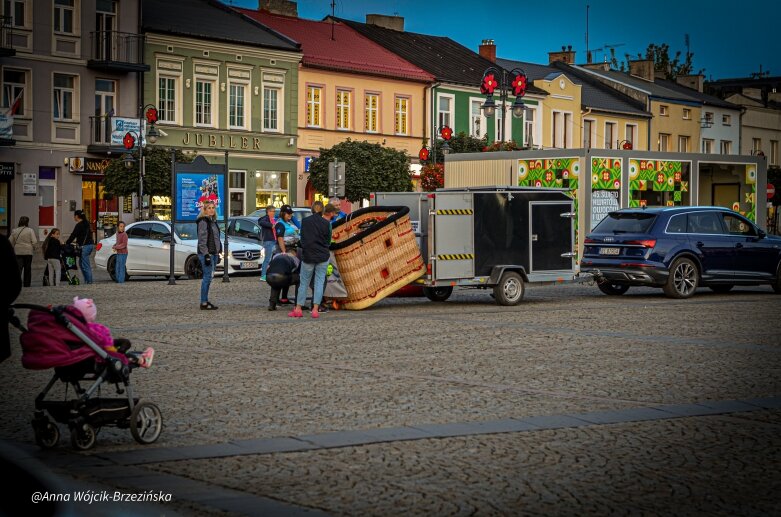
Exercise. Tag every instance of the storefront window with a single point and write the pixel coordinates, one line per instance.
(161, 208)
(271, 188)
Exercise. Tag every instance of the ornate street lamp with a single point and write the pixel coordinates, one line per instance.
(513, 82)
(447, 134)
(626, 145)
(132, 139)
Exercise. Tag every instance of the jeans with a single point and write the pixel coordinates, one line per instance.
(84, 263)
(53, 268)
(307, 270)
(119, 267)
(25, 263)
(208, 273)
(268, 250)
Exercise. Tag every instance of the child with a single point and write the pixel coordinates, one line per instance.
(52, 249)
(88, 309)
(282, 272)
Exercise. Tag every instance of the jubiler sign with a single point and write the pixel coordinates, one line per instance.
(221, 141)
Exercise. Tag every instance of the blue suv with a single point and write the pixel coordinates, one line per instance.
(680, 249)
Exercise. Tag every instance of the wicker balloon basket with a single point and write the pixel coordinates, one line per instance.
(376, 253)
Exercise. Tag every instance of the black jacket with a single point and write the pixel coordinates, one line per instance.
(82, 234)
(315, 240)
(53, 249)
(12, 286)
(209, 242)
(266, 229)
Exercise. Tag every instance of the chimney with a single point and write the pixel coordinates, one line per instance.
(488, 50)
(605, 67)
(566, 55)
(695, 82)
(642, 68)
(283, 7)
(395, 23)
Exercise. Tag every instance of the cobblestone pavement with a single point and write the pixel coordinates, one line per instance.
(244, 373)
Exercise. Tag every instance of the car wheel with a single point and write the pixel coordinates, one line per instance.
(438, 294)
(193, 267)
(721, 288)
(613, 289)
(111, 266)
(510, 289)
(683, 280)
(777, 283)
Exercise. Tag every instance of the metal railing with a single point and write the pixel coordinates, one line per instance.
(117, 47)
(100, 130)
(6, 33)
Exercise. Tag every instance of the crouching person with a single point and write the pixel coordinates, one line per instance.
(282, 273)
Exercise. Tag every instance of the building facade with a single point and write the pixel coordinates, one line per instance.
(223, 82)
(77, 63)
(349, 88)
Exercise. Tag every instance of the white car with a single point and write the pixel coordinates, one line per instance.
(149, 251)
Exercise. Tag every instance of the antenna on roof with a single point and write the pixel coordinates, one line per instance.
(333, 14)
(588, 51)
(686, 42)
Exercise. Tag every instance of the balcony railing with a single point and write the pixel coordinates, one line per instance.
(117, 51)
(6, 37)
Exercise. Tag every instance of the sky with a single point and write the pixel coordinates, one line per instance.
(728, 38)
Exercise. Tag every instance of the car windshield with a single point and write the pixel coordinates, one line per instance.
(186, 231)
(626, 222)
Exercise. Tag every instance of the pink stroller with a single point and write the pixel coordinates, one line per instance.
(59, 338)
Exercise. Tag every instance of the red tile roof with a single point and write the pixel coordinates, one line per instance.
(348, 51)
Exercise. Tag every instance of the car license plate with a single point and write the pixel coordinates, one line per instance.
(609, 251)
(249, 265)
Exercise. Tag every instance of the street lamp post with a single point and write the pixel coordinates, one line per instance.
(129, 141)
(512, 82)
(626, 145)
(446, 133)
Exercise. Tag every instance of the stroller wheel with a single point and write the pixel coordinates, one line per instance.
(146, 422)
(47, 434)
(83, 436)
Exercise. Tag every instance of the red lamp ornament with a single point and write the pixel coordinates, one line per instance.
(129, 141)
(423, 154)
(488, 85)
(627, 146)
(151, 115)
(519, 85)
(446, 133)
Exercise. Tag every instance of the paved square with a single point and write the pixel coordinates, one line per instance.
(573, 402)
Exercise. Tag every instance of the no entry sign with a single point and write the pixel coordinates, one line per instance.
(771, 191)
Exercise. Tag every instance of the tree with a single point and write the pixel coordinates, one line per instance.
(663, 64)
(368, 168)
(462, 143)
(121, 181)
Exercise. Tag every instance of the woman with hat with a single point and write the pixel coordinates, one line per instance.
(287, 233)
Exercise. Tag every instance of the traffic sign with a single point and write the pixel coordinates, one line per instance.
(336, 173)
(771, 190)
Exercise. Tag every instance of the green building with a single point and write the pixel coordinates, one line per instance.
(223, 82)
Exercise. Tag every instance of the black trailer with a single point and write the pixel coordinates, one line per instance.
(491, 237)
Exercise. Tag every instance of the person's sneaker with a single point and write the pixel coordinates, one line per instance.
(146, 357)
(284, 301)
(296, 313)
(263, 278)
(323, 308)
(315, 313)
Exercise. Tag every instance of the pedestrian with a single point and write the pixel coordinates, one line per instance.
(268, 238)
(209, 248)
(23, 239)
(52, 253)
(317, 208)
(82, 235)
(285, 230)
(12, 286)
(315, 242)
(283, 272)
(120, 248)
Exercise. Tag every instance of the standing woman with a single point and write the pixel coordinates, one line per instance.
(286, 231)
(82, 234)
(52, 250)
(209, 248)
(23, 239)
(120, 247)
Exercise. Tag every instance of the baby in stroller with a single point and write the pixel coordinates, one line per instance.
(88, 309)
(68, 340)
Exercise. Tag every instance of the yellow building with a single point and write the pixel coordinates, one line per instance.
(349, 87)
(579, 111)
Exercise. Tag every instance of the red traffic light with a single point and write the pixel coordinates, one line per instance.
(129, 141)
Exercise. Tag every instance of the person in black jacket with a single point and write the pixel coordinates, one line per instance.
(281, 274)
(12, 286)
(209, 249)
(268, 238)
(315, 242)
(52, 251)
(82, 234)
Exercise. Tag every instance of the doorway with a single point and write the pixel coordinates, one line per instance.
(105, 92)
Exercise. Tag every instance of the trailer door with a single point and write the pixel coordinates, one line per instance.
(453, 234)
(551, 236)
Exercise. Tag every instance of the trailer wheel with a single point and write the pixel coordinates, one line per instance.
(438, 294)
(613, 289)
(509, 290)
